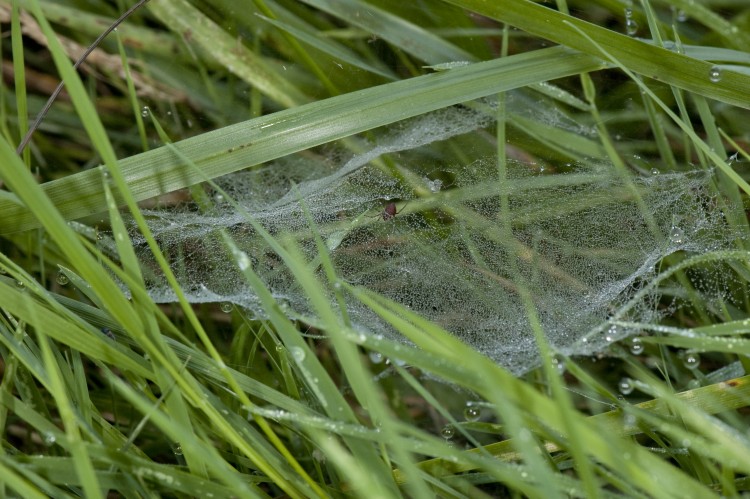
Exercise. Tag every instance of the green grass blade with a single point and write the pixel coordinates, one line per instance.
(273, 136)
(638, 56)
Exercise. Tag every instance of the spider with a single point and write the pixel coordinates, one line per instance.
(390, 211)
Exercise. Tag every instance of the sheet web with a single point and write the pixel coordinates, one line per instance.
(585, 241)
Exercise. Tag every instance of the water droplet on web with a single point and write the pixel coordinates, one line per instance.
(472, 412)
(654, 171)
(62, 279)
(219, 198)
(714, 74)
(226, 307)
(145, 111)
(448, 432)
(559, 364)
(434, 185)
(681, 16)
(676, 235)
(612, 333)
(297, 353)
(636, 346)
(625, 386)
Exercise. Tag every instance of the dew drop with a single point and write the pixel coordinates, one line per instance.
(714, 74)
(691, 360)
(676, 235)
(559, 364)
(448, 432)
(49, 439)
(681, 16)
(243, 261)
(612, 333)
(297, 353)
(145, 111)
(434, 185)
(279, 347)
(219, 198)
(636, 346)
(226, 307)
(20, 284)
(629, 420)
(376, 357)
(62, 279)
(625, 386)
(472, 412)
(177, 449)
(631, 27)
(654, 171)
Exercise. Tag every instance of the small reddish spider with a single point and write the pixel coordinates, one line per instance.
(390, 211)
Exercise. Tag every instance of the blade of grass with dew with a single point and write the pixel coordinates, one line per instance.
(641, 57)
(318, 379)
(407, 36)
(175, 402)
(81, 460)
(65, 332)
(190, 388)
(359, 378)
(195, 443)
(330, 48)
(712, 437)
(90, 25)
(696, 140)
(15, 479)
(19, 75)
(642, 468)
(309, 366)
(273, 136)
(182, 17)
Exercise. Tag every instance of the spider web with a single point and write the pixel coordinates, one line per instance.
(584, 242)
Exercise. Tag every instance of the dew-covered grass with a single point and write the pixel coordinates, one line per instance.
(376, 249)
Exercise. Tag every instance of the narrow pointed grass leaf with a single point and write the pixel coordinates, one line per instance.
(640, 57)
(273, 136)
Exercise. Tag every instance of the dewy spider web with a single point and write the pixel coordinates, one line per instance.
(585, 242)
